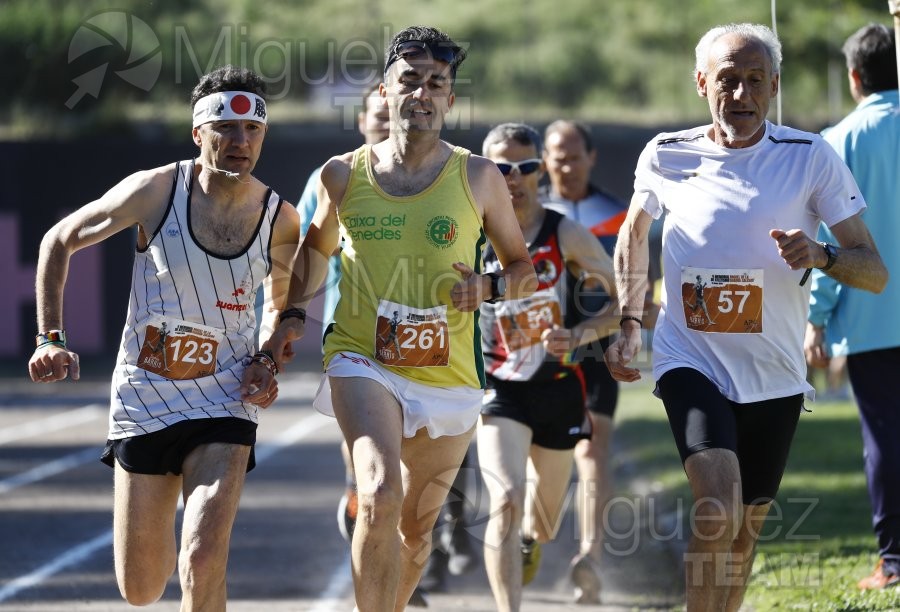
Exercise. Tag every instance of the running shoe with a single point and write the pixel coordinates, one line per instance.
(417, 599)
(434, 576)
(461, 555)
(879, 579)
(586, 580)
(346, 513)
(531, 559)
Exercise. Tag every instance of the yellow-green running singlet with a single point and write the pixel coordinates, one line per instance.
(396, 276)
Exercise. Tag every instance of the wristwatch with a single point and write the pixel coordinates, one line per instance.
(498, 287)
(831, 253)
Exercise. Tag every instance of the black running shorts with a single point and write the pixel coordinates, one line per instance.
(164, 451)
(554, 410)
(759, 433)
(602, 390)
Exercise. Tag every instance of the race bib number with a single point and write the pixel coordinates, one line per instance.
(179, 350)
(522, 322)
(722, 301)
(412, 337)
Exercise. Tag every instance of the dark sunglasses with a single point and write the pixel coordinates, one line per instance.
(411, 49)
(526, 166)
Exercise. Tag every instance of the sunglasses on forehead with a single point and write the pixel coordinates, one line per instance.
(411, 49)
(526, 166)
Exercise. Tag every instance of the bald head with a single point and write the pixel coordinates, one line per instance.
(569, 156)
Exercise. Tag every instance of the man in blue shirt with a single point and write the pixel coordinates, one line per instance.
(860, 324)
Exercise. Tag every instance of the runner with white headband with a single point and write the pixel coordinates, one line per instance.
(228, 106)
(189, 381)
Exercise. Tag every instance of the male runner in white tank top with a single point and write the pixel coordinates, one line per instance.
(187, 384)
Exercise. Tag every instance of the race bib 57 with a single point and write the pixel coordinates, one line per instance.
(727, 301)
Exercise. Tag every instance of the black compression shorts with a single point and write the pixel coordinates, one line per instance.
(759, 433)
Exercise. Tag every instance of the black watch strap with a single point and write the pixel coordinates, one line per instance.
(292, 313)
(831, 253)
(497, 292)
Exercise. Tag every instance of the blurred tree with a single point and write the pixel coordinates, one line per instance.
(529, 59)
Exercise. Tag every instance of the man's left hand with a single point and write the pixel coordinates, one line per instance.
(798, 250)
(467, 294)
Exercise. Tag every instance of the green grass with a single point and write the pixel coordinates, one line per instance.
(818, 541)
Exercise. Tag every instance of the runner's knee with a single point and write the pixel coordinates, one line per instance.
(507, 511)
(379, 507)
(716, 521)
(145, 587)
(200, 567)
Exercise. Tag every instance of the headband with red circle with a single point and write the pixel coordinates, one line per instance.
(229, 105)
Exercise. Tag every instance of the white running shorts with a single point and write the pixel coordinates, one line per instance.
(443, 411)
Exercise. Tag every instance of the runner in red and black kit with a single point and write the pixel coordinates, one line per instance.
(534, 413)
(569, 155)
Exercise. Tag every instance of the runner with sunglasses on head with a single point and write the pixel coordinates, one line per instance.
(414, 212)
(534, 413)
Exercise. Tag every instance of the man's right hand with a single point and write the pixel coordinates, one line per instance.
(622, 351)
(53, 362)
(280, 341)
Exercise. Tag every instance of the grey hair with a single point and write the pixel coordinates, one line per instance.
(751, 31)
(517, 132)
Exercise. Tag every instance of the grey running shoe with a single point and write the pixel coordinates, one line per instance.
(586, 580)
(434, 576)
(460, 550)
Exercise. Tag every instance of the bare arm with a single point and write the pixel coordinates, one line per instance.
(258, 384)
(311, 263)
(858, 263)
(585, 257)
(632, 258)
(141, 200)
(502, 228)
(285, 239)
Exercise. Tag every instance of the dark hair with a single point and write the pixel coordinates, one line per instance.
(518, 132)
(367, 92)
(229, 78)
(870, 51)
(431, 36)
(561, 125)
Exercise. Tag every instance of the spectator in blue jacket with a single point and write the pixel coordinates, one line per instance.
(862, 325)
